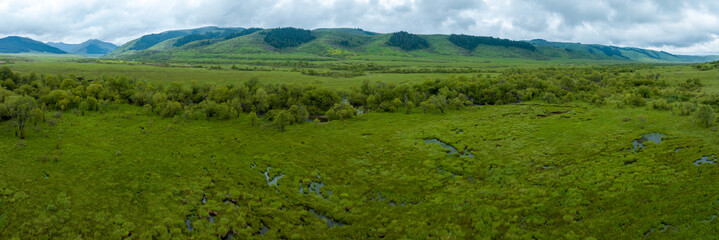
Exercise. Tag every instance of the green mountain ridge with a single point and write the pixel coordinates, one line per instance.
(15, 44)
(337, 43)
(92, 47)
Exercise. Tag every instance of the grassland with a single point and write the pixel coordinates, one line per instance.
(267, 72)
(537, 170)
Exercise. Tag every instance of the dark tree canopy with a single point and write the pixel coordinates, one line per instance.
(288, 37)
(148, 41)
(223, 34)
(471, 42)
(195, 37)
(407, 41)
(242, 33)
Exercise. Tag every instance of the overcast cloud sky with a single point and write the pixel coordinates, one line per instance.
(681, 27)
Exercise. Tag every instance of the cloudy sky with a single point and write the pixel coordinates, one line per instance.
(676, 26)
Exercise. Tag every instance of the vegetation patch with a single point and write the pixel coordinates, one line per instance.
(288, 37)
(470, 42)
(407, 41)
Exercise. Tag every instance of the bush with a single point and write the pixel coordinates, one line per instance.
(341, 111)
(705, 116)
(661, 104)
(634, 100)
(683, 109)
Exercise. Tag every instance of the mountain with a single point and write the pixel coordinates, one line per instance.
(92, 47)
(62, 46)
(14, 44)
(627, 53)
(226, 44)
(154, 40)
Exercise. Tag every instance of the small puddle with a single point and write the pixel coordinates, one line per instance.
(212, 219)
(316, 189)
(330, 222)
(664, 228)
(228, 236)
(264, 230)
(652, 137)
(228, 201)
(274, 179)
(204, 199)
(452, 150)
(706, 160)
(440, 170)
(381, 198)
(188, 222)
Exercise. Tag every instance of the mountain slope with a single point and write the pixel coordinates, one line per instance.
(627, 53)
(14, 44)
(67, 47)
(92, 47)
(148, 41)
(207, 43)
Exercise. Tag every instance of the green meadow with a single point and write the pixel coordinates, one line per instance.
(415, 148)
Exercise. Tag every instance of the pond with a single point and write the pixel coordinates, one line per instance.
(656, 138)
(452, 150)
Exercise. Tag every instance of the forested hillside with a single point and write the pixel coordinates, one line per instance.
(235, 43)
(471, 42)
(288, 37)
(407, 41)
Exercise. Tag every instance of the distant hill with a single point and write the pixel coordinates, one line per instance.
(627, 53)
(154, 40)
(91, 47)
(14, 44)
(213, 43)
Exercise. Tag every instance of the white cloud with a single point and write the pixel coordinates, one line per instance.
(679, 26)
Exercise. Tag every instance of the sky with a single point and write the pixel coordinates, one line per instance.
(675, 26)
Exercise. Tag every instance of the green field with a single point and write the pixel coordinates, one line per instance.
(467, 148)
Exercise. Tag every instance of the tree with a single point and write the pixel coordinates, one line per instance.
(20, 109)
(705, 115)
(282, 119)
(438, 101)
(642, 119)
(254, 120)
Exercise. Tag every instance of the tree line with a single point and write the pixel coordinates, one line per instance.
(471, 42)
(29, 97)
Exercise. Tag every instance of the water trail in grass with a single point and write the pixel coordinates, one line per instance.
(330, 222)
(706, 160)
(452, 150)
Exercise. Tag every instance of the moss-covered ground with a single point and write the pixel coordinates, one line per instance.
(548, 172)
